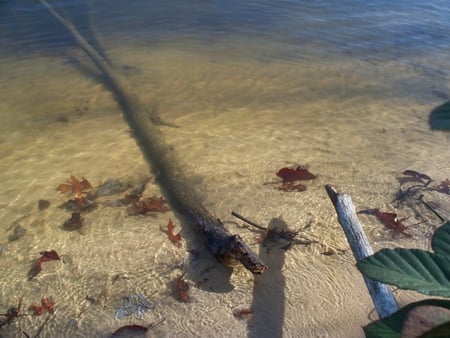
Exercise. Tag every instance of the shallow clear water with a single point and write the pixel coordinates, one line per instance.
(344, 89)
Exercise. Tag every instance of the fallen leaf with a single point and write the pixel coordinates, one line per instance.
(172, 237)
(182, 289)
(47, 306)
(389, 220)
(82, 202)
(38, 310)
(148, 204)
(75, 185)
(45, 257)
(297, 174)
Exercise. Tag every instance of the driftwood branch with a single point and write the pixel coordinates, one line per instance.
(381, 294)
(222, 244)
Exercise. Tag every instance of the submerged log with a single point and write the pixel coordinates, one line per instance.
(221, 243)
(381, 294)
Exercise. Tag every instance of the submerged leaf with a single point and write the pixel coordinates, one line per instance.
(298, 174)
(182, 288)
(149, 204)
(174, 238)
(46, 256)
(75, 185)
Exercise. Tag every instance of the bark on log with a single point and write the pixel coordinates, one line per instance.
(380, 293)
(222, 244)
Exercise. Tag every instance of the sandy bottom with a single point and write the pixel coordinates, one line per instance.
(357, 125)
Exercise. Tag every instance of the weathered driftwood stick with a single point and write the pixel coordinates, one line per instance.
(381, 294)
(222, 244)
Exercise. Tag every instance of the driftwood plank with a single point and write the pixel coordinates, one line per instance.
(381, 294)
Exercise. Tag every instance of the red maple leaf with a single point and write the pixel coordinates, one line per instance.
(297, 174)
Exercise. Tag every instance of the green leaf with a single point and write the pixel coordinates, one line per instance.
(391, 326)
(440, 117)
(412, 269)
(441, 240)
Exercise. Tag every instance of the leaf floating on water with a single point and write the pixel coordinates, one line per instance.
(172, 237)
(46, 256)
(137, 304)
(297, 174)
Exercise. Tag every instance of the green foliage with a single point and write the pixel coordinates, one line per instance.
(412, 269)
(419, 270)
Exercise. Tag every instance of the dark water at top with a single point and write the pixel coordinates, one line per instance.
(365, 29)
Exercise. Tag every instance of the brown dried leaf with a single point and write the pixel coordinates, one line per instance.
(182, 288)
(174, 238)
(75, 185)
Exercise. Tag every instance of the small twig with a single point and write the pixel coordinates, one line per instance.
(42, 326)
(158, 322)
(242, 218)
(290, 236)
(430, 208)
